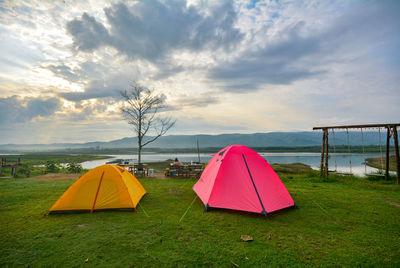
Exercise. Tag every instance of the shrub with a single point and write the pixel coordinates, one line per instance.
(52, 167)
(26, 170)
(74, 168)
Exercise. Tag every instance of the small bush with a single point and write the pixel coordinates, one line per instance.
(52, 167)
(74, 168)
(26, 170)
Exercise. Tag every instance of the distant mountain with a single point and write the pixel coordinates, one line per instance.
(270, 139)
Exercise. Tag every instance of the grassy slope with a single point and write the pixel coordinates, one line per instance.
(376, 163)
(344, 222)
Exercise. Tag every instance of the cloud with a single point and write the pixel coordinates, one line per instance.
(277, 63)
(300, 63)
(87, 33)
(151, 29)
(89, 111)
(63, 71)
(17, 110)
(107, 87)
(198, 124)
(192, 101)
(303, 49)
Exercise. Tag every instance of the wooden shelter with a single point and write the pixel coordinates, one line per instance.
(391, 132)
(13, 164)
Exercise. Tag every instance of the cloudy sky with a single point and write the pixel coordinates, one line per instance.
(224, 66)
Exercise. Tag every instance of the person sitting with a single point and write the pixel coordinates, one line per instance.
(177, 163)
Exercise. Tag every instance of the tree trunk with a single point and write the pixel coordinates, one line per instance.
(139, 151)
(140, 140)
(139, 156)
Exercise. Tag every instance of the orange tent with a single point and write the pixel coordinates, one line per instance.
(104, 187)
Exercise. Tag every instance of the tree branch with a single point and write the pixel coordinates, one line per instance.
(141, 110)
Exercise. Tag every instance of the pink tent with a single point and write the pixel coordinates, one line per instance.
(239, 178)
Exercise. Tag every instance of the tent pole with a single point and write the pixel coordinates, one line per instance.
(98, 189)
(255, 188)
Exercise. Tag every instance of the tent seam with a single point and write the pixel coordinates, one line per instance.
(126, 187)
(254, 184)
(219, 170)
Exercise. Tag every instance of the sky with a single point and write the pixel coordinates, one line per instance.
(223, 66)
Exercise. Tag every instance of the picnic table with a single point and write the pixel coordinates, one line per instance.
(186, 170)
(140, 170)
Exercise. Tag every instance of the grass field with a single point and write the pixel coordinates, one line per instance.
(345, 221)
(377, 163)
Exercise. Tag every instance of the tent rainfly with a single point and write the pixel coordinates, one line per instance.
(238, 178)
(102, 188)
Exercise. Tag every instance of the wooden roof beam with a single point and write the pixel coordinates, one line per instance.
(360, 126)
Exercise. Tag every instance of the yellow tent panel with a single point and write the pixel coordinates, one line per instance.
(104, 187)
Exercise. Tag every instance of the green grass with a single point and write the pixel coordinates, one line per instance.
(377, 163)
(343, 221)
(297, 168)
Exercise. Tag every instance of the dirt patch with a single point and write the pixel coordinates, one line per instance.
(160, 176)
(393, 203)
(57, 176)
(175, 192)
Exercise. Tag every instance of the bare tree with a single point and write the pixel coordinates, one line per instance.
(141, 110)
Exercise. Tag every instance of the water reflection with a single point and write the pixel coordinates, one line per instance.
(338, 161)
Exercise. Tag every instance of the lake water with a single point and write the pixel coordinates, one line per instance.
(312, 159)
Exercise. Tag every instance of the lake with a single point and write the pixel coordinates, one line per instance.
(312, 159)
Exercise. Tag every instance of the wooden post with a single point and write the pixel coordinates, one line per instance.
(198, 151)
(387, 152)
(326, 152)
(396, 150)
(322, 153)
